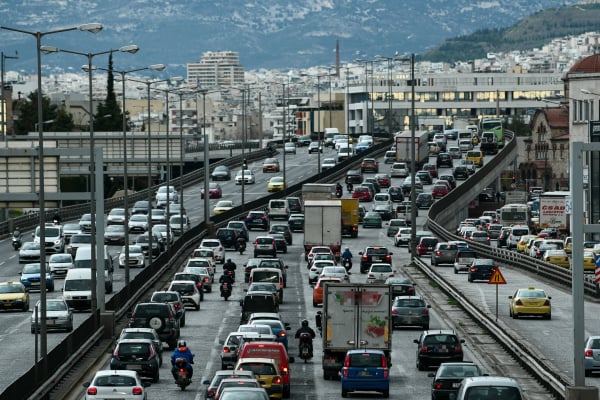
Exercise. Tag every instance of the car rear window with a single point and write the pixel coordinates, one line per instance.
(136, 350)
(164, 297)
(258, 368)
(428, 242)
(115, 381)
(440, 339)
(148, 310)
(264, 240)
(377, 251)
(411, 303)
(365, 360)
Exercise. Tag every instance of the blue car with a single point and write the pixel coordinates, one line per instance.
(362, 146)
(365, 370)
(30, 277)
(279, 329)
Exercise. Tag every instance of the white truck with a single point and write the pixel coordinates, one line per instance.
(355, 316)
(515, 197)
(404, 147)
(323, 225)
(318, 191)
(555, 210)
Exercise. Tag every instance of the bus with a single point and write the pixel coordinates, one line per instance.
(494, 125)
(515, 214)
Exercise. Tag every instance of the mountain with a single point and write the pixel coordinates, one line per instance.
(273, 34)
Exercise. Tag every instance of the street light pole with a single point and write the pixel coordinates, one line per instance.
(94, 28)
(413, 192)
(2, 96)
(389, 95)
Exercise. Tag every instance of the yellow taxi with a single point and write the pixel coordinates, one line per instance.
(222, 206)
(557, 257)
(522, 243)
(476, 156)
(276, 184)
(568, 244)
(266, 371)
(13, 295)
(530, 301)
(589, 263)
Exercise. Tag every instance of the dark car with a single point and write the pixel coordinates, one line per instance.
(444, 160)
(449, 178)
(461, 172)
(294, 205)
(240, 229)
(137, 355)
(280, 242)
(432, 168)
(296, 222)
(395, 193)
(161, 317)
(503, 236)
(481, 269)
(374, 254)
(354, 176)
(373, 181)
(438, 346)
(257, 220)
(425, 177)
(174, 299)
(228, 237)
(258, 302)
(221, 173)
(424, 200)
(140, 207)
(401, 286)
(303, 141)
(448, 377)
(283, 229)
(385, 210)
(426, 245)
(410, 311)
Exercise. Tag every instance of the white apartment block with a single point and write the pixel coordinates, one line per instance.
(218, 68)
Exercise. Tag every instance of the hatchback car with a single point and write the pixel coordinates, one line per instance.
(221, 173)
(214, 191)
(265, 245)
(137, 355)
(481, 269)
(362, 193)
(410, 311)
(218, 248)
(426, 245)
(372, 219)
(31, 277)
(399, 170)
(296, 222)
(125, 384)
(14, 295)
(159, 316)
(188, 291)
(444, 160)
(438, 191)
(425, 177)
(246, 176)
(143, 333)
(432, 168)
(270, 165)
(353, 176)
(369, 165)
(222, 206)
(592, 355)
(424, 200)
(379, 273)
(116, 216)
(58, 316)
(289, 148)
(60, 263)
(29, 252)
(365, 370)
(266, 372)
(489, 387)
(438, 346)
(283, 229)
(443, 253)
(328, 163)
(314, 147)
(557, 257)
(114, 234)
(276, 184)
(448, 377)
(460, 172)
(225, 373)
(401, 286)
(530, 301)
(395, 224)
(137, 258)
(138, 223)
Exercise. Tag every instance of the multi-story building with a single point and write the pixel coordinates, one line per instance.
(219, 68)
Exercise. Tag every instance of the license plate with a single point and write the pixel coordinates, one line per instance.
(455, 385)
(50, 322)
(377, 259)
(364, 373)
(135, 367)
(257, 221)
(7, 304)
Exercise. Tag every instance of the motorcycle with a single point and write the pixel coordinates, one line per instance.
(241, 244)
(304, 346)
(182, 379)
(16, 242)
(349, 187)
(338, 192)
(225, 290)
(347, 264)
(318, 320)
(231, 273)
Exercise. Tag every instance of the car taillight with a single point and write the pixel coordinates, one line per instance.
(394, 311)
(457, 348)
(589, 353)
(438, 253)
(371, 276)
(281, 334)
(364, 257)
(425, 311)
(206, 279)
(388, 257)
(92, 391)
(438, 386)
(171, 318)
(277, 380)
(177, 306)
(226, 350)
(423, 348)
(473, 269)
(137, 391)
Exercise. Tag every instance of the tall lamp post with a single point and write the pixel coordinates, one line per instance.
(369, 94)
(94, 28)
(2, 96)
(389, 95)
(97, 241)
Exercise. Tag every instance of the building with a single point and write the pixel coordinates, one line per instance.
(220, 68)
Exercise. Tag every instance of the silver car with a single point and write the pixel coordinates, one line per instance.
(114, 234)
(60, 263)
(443, 253)
(116, 216)
(137, 259)
(138, 223)
(410, 311)
(58, 316)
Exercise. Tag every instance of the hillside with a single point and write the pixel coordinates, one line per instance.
(533, 31)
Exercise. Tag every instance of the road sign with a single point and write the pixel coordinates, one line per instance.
(497, 278)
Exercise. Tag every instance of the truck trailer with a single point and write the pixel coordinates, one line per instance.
(323, 225)
(404, 148)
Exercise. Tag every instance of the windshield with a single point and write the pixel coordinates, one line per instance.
(78, 284)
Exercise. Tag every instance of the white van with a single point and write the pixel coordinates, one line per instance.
(77, 290)
(83, 259)
(278, 209)
(389, 157)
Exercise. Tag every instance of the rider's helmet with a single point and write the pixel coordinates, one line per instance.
(181, 343)
(229, 260)
(305, 323)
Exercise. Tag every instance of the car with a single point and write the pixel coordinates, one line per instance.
(143, 240)
(60, 263)
(316, 267)
(276, 184)
(138, 223)
(362, 193)
(448, 377)
(435, 347)
(214, 191)
(218, 248)
(31, 276)
(179, 225)
(362, 146)
(159, 316)
(173, 298)
(257, 219)
(402, 238)
(266, 371)
(264, 287)
(386, 211)
(278, 328)
(280, 242)
(164, 232)
(426, 244)
(395, 193)
(222, 206)
(143, 333)
(455, 152)
(374, 254)
(365, 370)
(410, 311)
(166, 194)
(58, 316)
(328, 163)
(425, 177)
(439, 190)
(424, 200)
(14, 296)
(221, 172)
(480, 237)
(372, 219)
(404, 209)
(399, 170)
(530, 301)
(589, 261)
(557, 257)
(278, 209)
(372, 183)
(270, 165)
(236, 383)
(481, 269)
(369, 165)
(443, 253)
(265, 245)
(489, 387)
(476, 156)
(294, 204)
(463, 260)
(106, 383)
(201, 266)
(401, 286)
(394, 224)
(198, 279)
(353, 176)
(139, 207)
(470, 165)
(247, 176)
(316, 250)
(332, 271)
(303, 141)
(228, 238)
(114, 234)
(461, 172)
(137, 258)
(314, 147)
(289, 148)
(379, 273)
(137, 355)
(283, 229)
(444, 160)
(188, 291)
(296, 222)
(432, 168)
(384, 180)
(319, 287)
(240, 229)
(407, 185)
(116, 216)
(224, 373)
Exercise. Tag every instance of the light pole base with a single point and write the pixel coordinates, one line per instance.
(581, 393)
(210, 228)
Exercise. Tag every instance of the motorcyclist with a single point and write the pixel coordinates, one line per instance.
(182, 351)
(306, 329)
(350, 187)
(338, 187)
(230, 266)
(225, 278)
(17, 234)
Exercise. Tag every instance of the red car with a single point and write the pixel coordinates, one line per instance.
(384, 180)
(438, 191)
(432, 169)
(214, 191)
(426, 245)
(362, 193)
(369, 165)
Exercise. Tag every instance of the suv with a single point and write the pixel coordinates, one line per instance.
(257, 219)
(228, 237)
(283, 229)
(159, 316)
(438, 346)
(294, 205)
(174, 298)
(374, 254)
(265, 245)
(138, 355)
(54, 239)
(444, 160)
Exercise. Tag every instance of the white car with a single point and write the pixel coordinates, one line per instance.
(166, 194)
(58, 316)
(248, 177)
(289, 147)
(138, 223)
(316, 269)
(216, 245)
(137, 259)
(379, 273)
(179, 225)
(124, 383)
(116, 216)
(328, 163)
(206, 276)
(402, 238)
(399, 170)
(162, 229)
(60, 263)
(188, 291)
(335, 272)
(202, 263)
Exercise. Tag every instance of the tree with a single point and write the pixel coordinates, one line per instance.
(109, 117)
(26, 110)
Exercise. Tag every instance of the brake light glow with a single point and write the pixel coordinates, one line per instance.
(226, 350)
(394, 311)
(137, 391)
(589, 352)
(281, 334)
(277, 380)
(92, 391)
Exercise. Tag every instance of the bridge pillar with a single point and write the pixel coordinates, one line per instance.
(581, 393)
